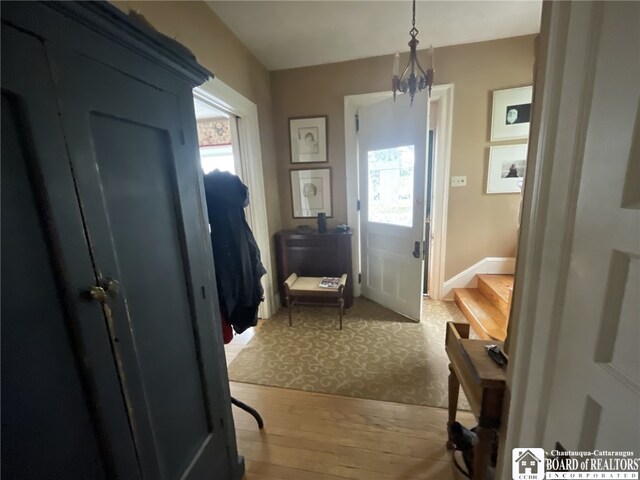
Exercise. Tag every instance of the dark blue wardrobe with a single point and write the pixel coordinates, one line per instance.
(112, 358)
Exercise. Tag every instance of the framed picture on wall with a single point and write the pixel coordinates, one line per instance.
(511, 114)
(507, 165)
(311, 192)
(308, 139)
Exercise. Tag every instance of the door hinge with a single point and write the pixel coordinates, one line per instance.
(357, 122)
(359, 278)
(358, 204)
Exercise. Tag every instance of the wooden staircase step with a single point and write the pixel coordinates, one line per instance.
(498, 289)
(485, 318)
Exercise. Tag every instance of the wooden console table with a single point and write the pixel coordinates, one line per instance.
(483, 383)
(314, 254)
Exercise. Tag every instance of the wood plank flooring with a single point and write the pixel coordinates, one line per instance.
(313, 436)
(309, 436)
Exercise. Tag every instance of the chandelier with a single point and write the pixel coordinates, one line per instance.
(414, 78)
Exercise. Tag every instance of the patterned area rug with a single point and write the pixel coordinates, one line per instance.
(379, 354)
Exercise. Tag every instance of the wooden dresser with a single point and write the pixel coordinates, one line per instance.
(313, 254)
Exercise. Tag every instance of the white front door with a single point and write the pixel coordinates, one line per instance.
(392, 146)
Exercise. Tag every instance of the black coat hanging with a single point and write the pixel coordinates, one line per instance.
(235, 251)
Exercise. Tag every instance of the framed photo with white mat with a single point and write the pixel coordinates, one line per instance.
(308, 139)
(511, 114)
(311, 192)
(507, 165)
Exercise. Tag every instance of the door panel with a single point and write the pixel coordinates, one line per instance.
(595, 394)
(41, 384)
(126, 143)
(138, 190)
(62, 410)
(392, 143)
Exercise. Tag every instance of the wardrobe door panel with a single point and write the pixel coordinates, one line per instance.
(132, 166)
(62, 410)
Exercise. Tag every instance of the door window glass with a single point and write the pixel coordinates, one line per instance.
(390, 185)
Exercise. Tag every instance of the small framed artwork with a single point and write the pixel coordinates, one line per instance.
(511, 113)
(507, 165)
(308, 139)
(311, 192)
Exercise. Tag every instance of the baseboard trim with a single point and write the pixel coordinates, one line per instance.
(468, 279)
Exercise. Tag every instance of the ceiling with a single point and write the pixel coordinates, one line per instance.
(289, 34)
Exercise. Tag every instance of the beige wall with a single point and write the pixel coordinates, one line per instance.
(215, 46)
(479, 225)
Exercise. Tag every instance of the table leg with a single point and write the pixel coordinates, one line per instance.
(482, 452)
(454, 389)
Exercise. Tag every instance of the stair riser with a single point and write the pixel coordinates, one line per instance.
(493, 297)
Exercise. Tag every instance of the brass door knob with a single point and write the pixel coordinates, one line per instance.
(98, 293)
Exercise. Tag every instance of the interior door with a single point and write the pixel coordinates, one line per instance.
(392, 146)
(137, 180)
(595, 399)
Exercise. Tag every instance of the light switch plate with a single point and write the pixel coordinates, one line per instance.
(458, 181)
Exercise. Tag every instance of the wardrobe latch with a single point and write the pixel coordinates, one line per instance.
(111, 286)
(98, 293)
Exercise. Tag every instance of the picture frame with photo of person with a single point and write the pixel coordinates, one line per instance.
(507, 165)
(308, 139)
(311, 192)
(511, 115)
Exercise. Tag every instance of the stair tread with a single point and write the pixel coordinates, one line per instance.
(502, 285)
(485, 315)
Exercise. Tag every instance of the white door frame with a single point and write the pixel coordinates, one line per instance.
(217, 94)
(560, 109)
(442, 101)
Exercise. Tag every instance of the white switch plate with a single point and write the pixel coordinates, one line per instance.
(458, 181)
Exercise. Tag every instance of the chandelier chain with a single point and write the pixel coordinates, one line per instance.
(413, 22)
(414, 78)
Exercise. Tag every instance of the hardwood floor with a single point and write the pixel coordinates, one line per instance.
(239, 341)
(313, 436)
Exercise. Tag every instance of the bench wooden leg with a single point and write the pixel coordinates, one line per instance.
(341, 311)
(289, 309)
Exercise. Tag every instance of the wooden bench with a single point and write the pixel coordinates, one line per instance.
(296, 287)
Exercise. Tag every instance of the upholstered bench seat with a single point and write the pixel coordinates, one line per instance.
(296, 287)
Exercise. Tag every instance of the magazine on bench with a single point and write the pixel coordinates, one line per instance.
(330, 282)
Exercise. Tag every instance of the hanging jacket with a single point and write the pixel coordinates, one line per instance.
(235, 251)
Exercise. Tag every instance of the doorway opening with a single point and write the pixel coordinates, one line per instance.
(215, 138)
(440, 123)
(229, 140)
(427, 223)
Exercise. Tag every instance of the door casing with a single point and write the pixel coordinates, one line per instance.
(565, 62)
